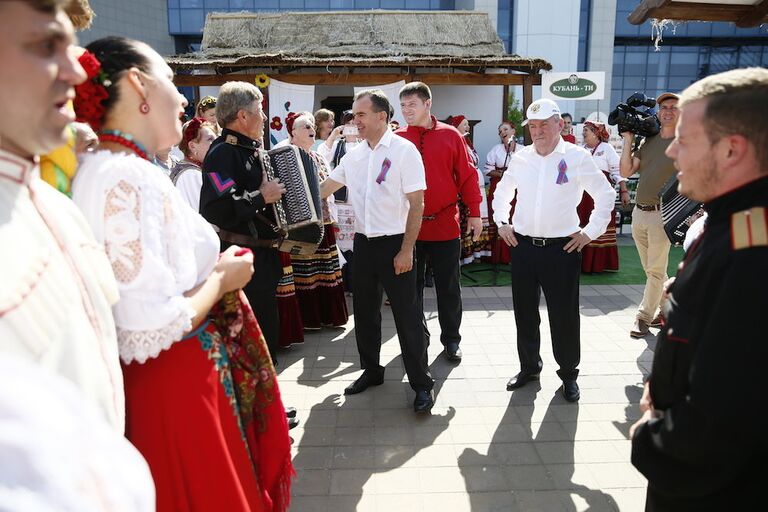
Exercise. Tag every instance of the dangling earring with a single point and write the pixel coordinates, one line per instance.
(144, 107)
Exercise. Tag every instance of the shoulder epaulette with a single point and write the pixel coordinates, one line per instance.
(749, 228)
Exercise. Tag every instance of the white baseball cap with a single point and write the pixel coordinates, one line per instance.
(541, 109)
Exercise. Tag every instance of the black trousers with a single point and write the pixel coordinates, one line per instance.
(444, 258)
(556, 273)
(373, 272)
(261, 292)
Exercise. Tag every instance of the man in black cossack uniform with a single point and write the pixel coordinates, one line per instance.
(236, 195)
(702, 441)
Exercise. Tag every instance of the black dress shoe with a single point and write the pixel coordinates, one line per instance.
(571, 390)
(452, 351)
(423, 402)
(362, 383)
(290, 412)
(293, 423)
(520, 380)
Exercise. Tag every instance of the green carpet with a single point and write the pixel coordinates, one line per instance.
(630, 271)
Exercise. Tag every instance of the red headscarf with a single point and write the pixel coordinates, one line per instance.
(456, 120)
(599, 129)
(289, 120)
(192, 129)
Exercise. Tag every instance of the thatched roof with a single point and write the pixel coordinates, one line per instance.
(353, 38)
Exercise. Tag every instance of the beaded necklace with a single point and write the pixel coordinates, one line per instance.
(125, 140)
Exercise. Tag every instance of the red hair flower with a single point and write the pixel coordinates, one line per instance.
(276, 124)
(90, 64)
(90, 94)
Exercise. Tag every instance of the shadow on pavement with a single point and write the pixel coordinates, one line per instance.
(526, 465)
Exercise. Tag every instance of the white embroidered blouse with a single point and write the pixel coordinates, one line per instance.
(158, 246)
(57, 290)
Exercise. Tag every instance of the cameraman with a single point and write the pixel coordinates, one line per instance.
(655, 169)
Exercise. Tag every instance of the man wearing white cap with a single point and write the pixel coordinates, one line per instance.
(550, 177)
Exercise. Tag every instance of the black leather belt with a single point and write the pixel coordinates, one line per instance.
(247, 240)
(543, 242)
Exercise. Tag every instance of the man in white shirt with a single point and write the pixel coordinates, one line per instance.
(550, 177)
(385, 180)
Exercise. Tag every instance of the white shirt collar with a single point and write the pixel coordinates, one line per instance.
(385, 139)
(15, 168)
(560, 148)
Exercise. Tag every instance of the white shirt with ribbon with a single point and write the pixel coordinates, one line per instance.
(378, 180)
(549, 188)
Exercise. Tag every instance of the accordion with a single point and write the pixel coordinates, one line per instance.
(298, 214)
(677, 212)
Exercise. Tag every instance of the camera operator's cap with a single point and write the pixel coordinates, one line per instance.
(665, 96)
(541, 109)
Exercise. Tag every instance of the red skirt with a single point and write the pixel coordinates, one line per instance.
(499, 249)
(291, 326)
(207, 416)
(181, 414)
(602, 254)
(319, 286)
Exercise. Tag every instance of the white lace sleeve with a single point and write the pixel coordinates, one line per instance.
(157, 246)
(150, 315)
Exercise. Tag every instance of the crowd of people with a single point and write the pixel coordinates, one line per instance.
(152, 305)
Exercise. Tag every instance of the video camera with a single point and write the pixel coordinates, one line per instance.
(630, 118)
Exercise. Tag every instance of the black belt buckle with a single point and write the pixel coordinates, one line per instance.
(538, 242)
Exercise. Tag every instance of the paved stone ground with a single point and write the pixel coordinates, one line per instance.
(483, 448)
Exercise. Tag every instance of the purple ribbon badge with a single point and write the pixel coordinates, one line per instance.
(385, 165)
(561, 168)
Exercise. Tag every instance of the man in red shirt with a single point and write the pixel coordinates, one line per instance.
(449, 175)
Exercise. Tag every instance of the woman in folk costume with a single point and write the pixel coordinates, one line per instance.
(602, 254)
(291, 326)
(202, 400)
(206, 110)
(472, 250)
(496, 163)
(196, 137)
(317, 276)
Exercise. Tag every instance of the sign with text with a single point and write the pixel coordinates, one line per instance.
(589, 85)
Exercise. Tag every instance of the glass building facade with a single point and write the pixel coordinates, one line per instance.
(687, 52)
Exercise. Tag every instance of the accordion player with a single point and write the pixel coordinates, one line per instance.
(298, 215)
(677, 212)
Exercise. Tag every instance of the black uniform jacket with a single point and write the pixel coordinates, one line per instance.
(709, 450)
(232, 175)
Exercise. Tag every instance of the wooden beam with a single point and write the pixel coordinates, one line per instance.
(641, 12)
(755, 17)
(363, 78)
(689, 11)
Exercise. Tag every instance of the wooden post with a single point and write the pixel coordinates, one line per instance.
(505, 103)
(527, 100)
(267, 130)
